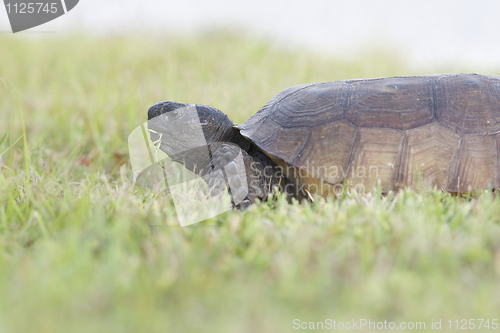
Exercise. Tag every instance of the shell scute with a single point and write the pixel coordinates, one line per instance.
(469, 104)
(396, 103)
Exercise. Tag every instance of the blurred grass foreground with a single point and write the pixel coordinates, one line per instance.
(83, 250)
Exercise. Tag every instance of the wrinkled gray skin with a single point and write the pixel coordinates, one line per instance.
(180, 140)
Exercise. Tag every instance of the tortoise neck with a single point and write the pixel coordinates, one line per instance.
(218, 128)
(233, 135)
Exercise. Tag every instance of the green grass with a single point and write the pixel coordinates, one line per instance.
(83, 250)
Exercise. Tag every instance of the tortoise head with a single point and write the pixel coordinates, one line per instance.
(187, 126)
(191, 134)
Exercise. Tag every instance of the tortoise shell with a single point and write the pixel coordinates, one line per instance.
(438, 131)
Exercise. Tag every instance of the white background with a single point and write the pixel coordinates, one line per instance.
(428, 33)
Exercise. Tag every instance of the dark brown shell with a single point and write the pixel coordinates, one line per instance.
(437, 130)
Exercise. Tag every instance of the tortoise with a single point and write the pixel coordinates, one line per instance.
(429, 131)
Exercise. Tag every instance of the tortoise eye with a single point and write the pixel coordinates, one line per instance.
(174, 114)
